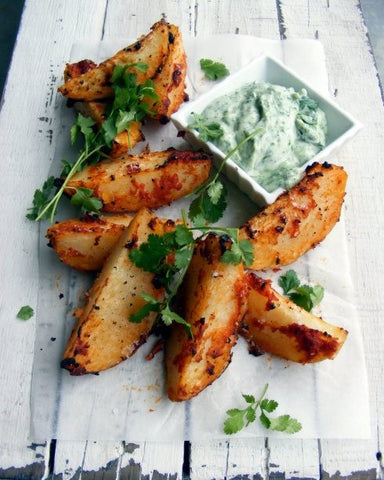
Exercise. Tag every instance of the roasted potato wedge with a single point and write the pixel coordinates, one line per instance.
(103, 335)
(150, 179)
(95, 83)
(84, 243)
(213, 298)
(169, 82)
(299, 219)
(274, 324)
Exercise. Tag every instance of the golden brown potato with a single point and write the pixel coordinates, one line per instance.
(169, 82)
(84, 243)
(104, 336)
(213, 297)
(95, 83)
(150, 179)
(76, 69)
(299, 219)
(274, 324)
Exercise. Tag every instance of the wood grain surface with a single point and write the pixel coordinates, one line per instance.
(30, 126)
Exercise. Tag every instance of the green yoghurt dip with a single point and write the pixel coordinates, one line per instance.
(292, 128)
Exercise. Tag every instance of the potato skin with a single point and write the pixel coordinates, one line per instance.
(213, 299)
(274, 324)
(150, 180)
(95, 83)
(84, 243)
(103, 335)
(299, 219)
(169, 82)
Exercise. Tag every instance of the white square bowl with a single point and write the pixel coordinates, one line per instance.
(341, 126)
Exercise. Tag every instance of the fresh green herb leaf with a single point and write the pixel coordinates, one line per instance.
(40, 199)
(168, 257)
(240, 418)
(235, 422)
(306, 296)
(207, 131)
(152, 305)
(241, 251)
(213, 70)
(25, 313)
(127, 106)
(83, 199)
(285, 423)
(209, 205)
(289, 281)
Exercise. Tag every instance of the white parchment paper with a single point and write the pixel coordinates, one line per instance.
(129, 402)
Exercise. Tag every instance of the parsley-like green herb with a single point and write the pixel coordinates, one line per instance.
(210, 203)
(168, 257)
(207, 131)
(128, 106)
(213, 70)
(83, 198)
(259, 408)
(25, 313)
(40, 199)
(306, 296)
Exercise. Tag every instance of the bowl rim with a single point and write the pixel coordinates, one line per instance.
(253, 189)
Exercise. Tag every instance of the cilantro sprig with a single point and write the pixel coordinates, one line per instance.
(207, 131)
(213, 70)
(168, 257)
(210, 203)
(306, 296)
(260, 408)
(129, 105)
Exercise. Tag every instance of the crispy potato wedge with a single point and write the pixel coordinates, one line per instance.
(95, 83)
(213, 297)
(149, 179)
(103, 335)
(84, 243)
(274, 324)
(76, 69)
(124, 141)
(169, 82)
(299, 219)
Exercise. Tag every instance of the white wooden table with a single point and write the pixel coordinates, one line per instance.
(29, 127)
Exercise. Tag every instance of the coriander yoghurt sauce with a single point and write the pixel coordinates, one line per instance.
(292, 128)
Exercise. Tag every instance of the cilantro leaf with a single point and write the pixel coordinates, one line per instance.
(285, 423)
(83, 199)
(144, 311)
(25, 313)
(240, 418)
(241, 251)
(40, 199)
(235, 422)
(209, 205)
(306, 296)
(289, 281)
(128, 105)
(213, 70)
(207, 131)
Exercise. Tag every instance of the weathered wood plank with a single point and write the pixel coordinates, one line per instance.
(53, 26)
(354, 83)
(28, 135)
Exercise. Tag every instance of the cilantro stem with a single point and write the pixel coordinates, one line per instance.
(52, 204)
(223, 161)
